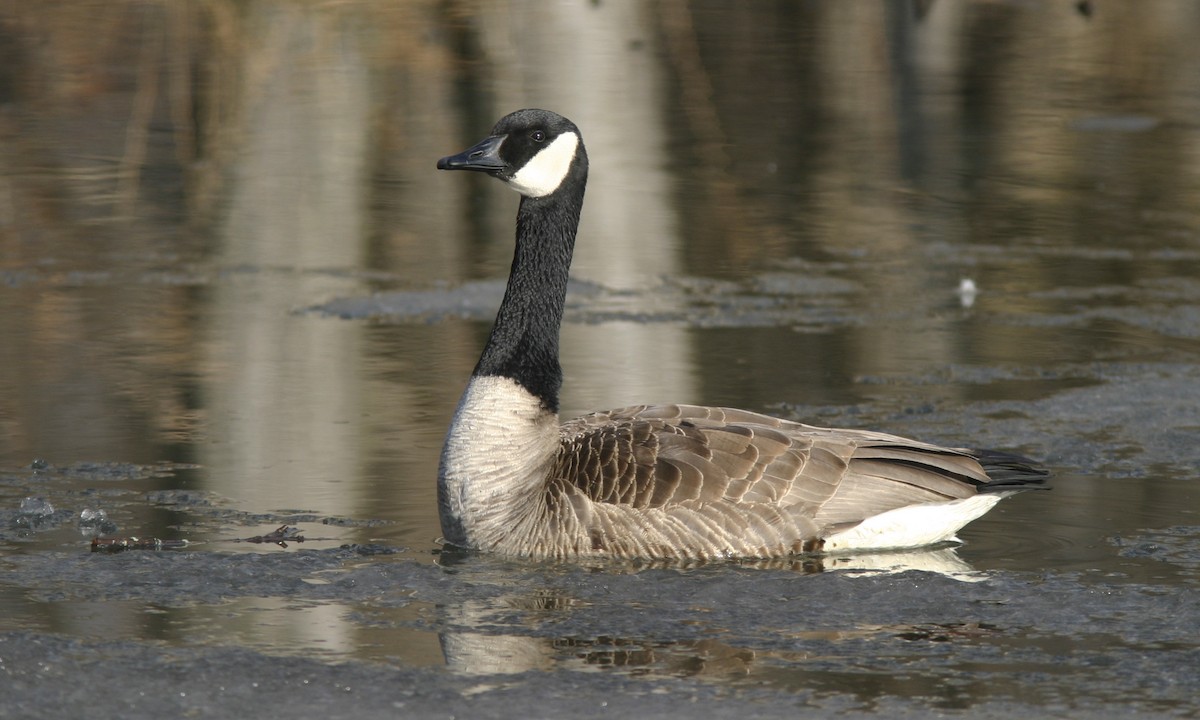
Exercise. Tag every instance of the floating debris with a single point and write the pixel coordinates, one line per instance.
(121, 544)
(281, 537)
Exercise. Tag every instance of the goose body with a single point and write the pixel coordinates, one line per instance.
(666, 481)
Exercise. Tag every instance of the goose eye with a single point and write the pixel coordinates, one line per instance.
(537, 136)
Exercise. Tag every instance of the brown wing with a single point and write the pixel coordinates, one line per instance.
(663, 456)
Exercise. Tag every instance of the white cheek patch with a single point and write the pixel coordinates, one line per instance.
(545, 171)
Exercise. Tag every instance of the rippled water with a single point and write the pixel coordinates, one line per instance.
(235, 295)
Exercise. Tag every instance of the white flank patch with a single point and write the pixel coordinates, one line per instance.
(912, 526)
(545, 171)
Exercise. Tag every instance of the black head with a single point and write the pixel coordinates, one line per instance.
(535, 151)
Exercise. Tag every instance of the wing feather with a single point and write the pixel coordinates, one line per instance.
(713, 474)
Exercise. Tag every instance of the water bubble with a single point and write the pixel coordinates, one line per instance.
(36, 507)
(967, 291)
(95, 522)
(89, 516)
(36, 513)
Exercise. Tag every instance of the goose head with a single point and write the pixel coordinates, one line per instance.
(535, 152)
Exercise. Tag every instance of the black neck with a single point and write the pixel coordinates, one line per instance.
(524, 341)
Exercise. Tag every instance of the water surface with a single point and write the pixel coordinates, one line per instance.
(236, 295)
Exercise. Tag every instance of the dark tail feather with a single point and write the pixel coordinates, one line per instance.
(1010, 472)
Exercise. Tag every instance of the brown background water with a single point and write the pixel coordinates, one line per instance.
(234, 293)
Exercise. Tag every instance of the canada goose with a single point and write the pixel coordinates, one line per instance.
(667, 481)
